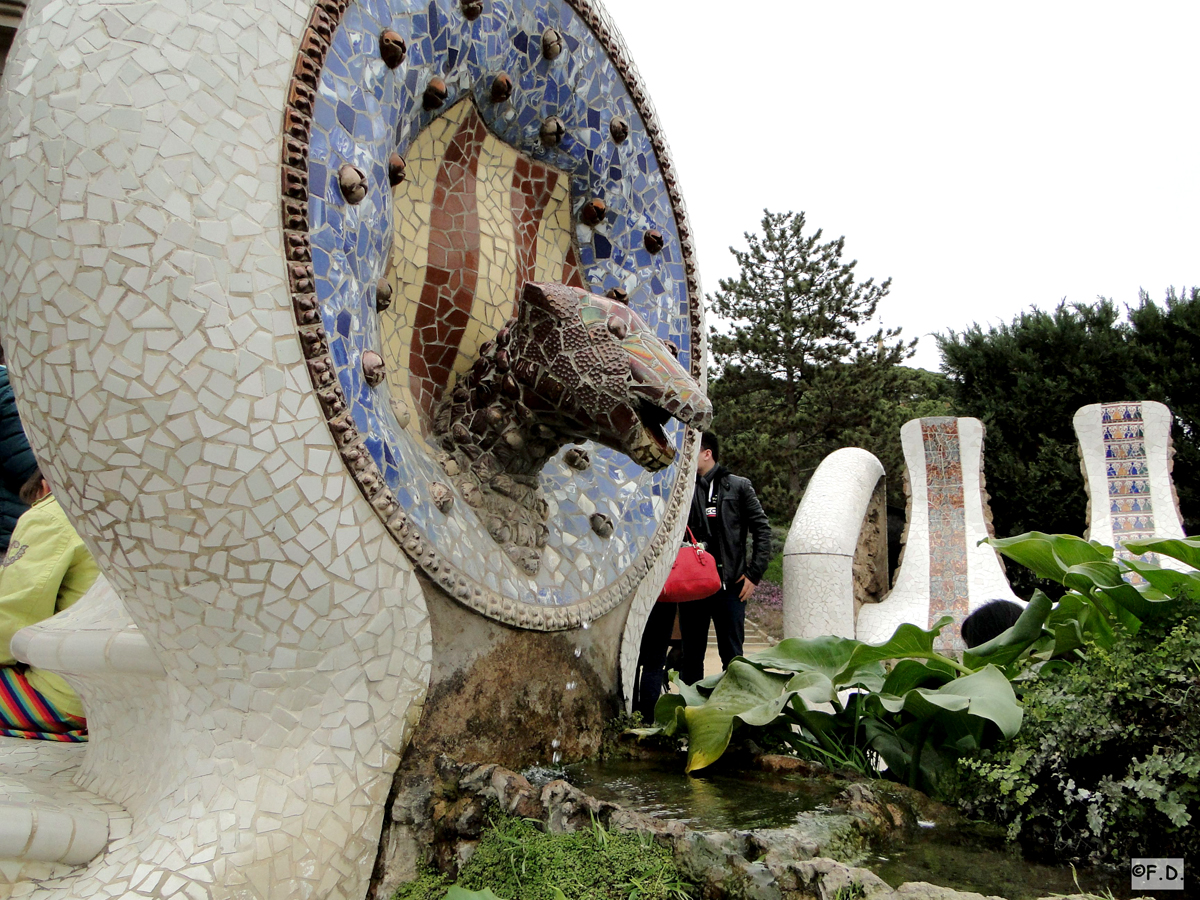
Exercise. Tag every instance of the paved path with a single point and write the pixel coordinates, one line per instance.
(756, 639)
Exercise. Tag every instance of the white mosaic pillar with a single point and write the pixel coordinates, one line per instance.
(818, 557)
(1127, 459)
(944, 570)
(153, 348)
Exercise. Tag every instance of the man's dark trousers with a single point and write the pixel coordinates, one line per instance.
(729, 613)
(656, 640)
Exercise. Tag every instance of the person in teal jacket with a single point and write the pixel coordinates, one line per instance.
(17, 462)
(47, 568)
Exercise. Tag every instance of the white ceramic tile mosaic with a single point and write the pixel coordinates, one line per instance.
(947, 455)
(258, 655)
(1127, 460)
(818, 557)
(162, 385)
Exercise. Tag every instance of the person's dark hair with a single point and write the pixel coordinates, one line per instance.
(989, 621)
(31, 490)
(709, 441)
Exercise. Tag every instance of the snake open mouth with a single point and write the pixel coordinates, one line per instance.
(650, 447)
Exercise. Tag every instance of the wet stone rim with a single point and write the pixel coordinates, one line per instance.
(310, 59)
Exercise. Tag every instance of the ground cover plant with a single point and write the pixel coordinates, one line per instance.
(765, 607)
(852, 705)
(1107, 763)
(517, 860)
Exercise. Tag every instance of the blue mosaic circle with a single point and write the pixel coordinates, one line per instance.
(364, 111)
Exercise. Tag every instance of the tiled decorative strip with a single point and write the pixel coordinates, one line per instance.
(1129, 500)
(949, 591)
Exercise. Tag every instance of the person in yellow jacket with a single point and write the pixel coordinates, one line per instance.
(47, 568)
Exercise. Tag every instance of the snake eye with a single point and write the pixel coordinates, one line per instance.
(673, 348)
(618, 327)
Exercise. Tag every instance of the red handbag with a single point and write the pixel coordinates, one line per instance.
(693, 576)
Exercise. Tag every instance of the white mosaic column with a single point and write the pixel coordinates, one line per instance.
(1127, 458)
(944, 570)
(818, 557)
(154, 353)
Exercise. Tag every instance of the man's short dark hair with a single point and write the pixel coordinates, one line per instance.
(989, 621)
(709, 441)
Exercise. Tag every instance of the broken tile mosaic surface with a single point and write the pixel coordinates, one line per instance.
(945, 569)
(948, 589)
(1127, 457)
(163, 384)
(486, 205)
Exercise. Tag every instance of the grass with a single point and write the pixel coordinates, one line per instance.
(517, 860)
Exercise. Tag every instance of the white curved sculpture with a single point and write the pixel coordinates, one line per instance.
(1127, 459)
(262, 656)
(162, 385)
(818, 557)
(944, 570)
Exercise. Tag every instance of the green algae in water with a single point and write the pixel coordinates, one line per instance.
(973, 857)
(718, 801)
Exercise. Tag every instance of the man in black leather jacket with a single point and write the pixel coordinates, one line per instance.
(724, 510)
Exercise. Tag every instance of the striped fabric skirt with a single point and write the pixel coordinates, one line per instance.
(25, 713)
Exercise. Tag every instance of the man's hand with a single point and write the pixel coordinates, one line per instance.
(748, 587)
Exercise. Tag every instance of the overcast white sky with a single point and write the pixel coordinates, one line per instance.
(987, 157)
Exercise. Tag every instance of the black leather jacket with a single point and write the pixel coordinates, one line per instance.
(738, 513)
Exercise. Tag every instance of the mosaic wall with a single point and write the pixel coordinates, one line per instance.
(438, 157)
(1126, 452)
(819, 569)
(1127, 470)
(948, 590)
(195, 374)
(513, 226)
(943, 568)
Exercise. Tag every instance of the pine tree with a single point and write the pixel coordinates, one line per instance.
(793, 375)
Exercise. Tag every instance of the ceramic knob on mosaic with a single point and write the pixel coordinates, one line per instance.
(552, 43)
(392, 48)
(396, 169)
(502, 88)
(255, 486)
(353, 182)
(435, 94)
(552, 131)
(383, 294)
(593, 212)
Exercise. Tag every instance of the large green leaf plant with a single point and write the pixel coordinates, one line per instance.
(901, 707)
(835, 699)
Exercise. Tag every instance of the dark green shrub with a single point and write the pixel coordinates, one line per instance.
(1107, 763)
